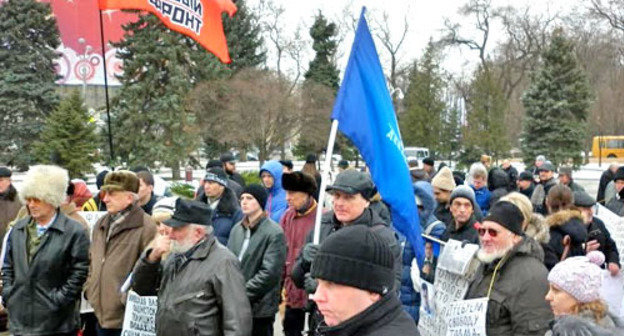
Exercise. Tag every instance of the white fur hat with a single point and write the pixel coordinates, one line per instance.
(46, 183)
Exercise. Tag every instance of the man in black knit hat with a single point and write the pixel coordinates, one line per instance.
(354, 270)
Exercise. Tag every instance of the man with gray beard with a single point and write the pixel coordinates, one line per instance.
(200, 288)
(512, 275)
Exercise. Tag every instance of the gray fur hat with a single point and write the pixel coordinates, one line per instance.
(46, 183)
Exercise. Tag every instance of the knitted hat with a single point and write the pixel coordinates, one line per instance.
(508, 215)
(356, 256)
(444, 179)
(286, 163)
(121, 180)
(465, 192)
(619, 174)
(45, 183)
(525, 176)
(310, 158)
(258, 192)
(216, 175)
(299, 181)
(5, 172)
(583, 199)
(580, 277)
(214, 164)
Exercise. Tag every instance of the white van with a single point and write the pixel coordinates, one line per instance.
(416, 153)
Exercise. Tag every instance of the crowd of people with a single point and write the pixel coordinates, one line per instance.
(224, 262)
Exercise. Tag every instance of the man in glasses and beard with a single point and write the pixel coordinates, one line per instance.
(512, 275)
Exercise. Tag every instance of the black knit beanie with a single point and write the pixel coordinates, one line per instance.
(356, 256)
(619, 174)
(508, 215)
(258, 192)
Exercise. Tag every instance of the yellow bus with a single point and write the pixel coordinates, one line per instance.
(611, 146)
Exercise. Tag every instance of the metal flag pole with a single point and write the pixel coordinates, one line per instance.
(108, 117)
(324, 179)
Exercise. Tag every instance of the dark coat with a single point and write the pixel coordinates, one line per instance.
(606, 177)
(516, 305)
(443, 213)
(205, 297)
(512, 175)
(384, 318)
(528, 192)
(499, 185)
(41, 296)
(564, 223)
(262, 264)
(465, 232)
(596, 230)
(236, 177)
(9, 207)
(147, 207)
(226, 214)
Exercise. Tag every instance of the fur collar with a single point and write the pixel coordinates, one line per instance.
(538, 229)
(559, 218)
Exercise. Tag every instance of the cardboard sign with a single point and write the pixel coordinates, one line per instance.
(467, 317)
(457, 258)
(140, 316)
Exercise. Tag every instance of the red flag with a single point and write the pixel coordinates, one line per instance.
(198, 19)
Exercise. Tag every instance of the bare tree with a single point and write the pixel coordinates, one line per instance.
(610, 10)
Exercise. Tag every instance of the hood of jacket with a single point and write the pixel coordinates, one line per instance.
(569, 222)
(424, 191)
(538, 229)
(275, 169)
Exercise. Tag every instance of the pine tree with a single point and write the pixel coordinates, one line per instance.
(322, 69)
(556, 103)
(422, 122)
(28, 39)
(151, 122)
(486, 106)
(69, 138)
(244, 38)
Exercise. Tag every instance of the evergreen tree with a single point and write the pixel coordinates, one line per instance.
(244, 38)
(322, 68)
(422, 122)
(556, 103)
(69, 138)
(450, 142)
(486, 106)
(151, 120)
(28, 39)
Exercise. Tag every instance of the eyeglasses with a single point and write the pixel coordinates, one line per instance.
(493, 233)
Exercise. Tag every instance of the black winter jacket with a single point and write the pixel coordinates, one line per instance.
(596, 230)
(384, 318)
(262, 264)
(41, 296)
(466, 232)
(564, 223)
(205, 297)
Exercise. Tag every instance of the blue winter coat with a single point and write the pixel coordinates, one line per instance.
(482, 196)
(276, 202)
(409, 298)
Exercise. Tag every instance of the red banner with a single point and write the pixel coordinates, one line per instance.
(198, 19)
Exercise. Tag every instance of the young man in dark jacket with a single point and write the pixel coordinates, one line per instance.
(353, 268)
(525, 184)
(223, 202)
(47, 259)
(259, 244)
(463, 206)
(200, 288)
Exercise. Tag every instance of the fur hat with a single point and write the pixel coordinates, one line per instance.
(46, 183)
(444, 179)
(121, 180)
(299, 181)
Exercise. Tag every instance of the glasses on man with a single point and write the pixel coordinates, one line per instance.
(481, 231)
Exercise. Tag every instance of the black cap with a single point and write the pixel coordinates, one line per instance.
(287, 163)
(311, 158)
(547, 166)
(508, 215)
(619, 174)
(428, 161)
(353, 182)
(525, 176)
(356, 256)
(214, 164)
(190, 212)
(216, 175)
(344, 164)
(5, 172)
(227, 157)
(583, 199)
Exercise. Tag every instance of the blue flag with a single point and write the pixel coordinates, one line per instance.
(365, 115)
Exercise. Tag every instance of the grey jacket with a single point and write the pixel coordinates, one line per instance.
(517, 305)
(585, 324)
(41, 296)
(262, 264)
(206, 296)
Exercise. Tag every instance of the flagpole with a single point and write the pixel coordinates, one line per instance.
(324, 179)
(108, 117)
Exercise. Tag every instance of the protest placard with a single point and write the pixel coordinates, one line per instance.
(615, 225)
(140, 316)
(466, 317)
(457, 257)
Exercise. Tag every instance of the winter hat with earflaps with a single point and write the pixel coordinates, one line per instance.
(580, 277)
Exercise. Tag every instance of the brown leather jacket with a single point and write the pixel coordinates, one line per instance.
(113, 260)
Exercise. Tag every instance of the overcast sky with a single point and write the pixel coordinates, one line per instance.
(426, 19)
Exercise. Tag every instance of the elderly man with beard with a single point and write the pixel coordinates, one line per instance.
(512, 275)
(201, 290)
